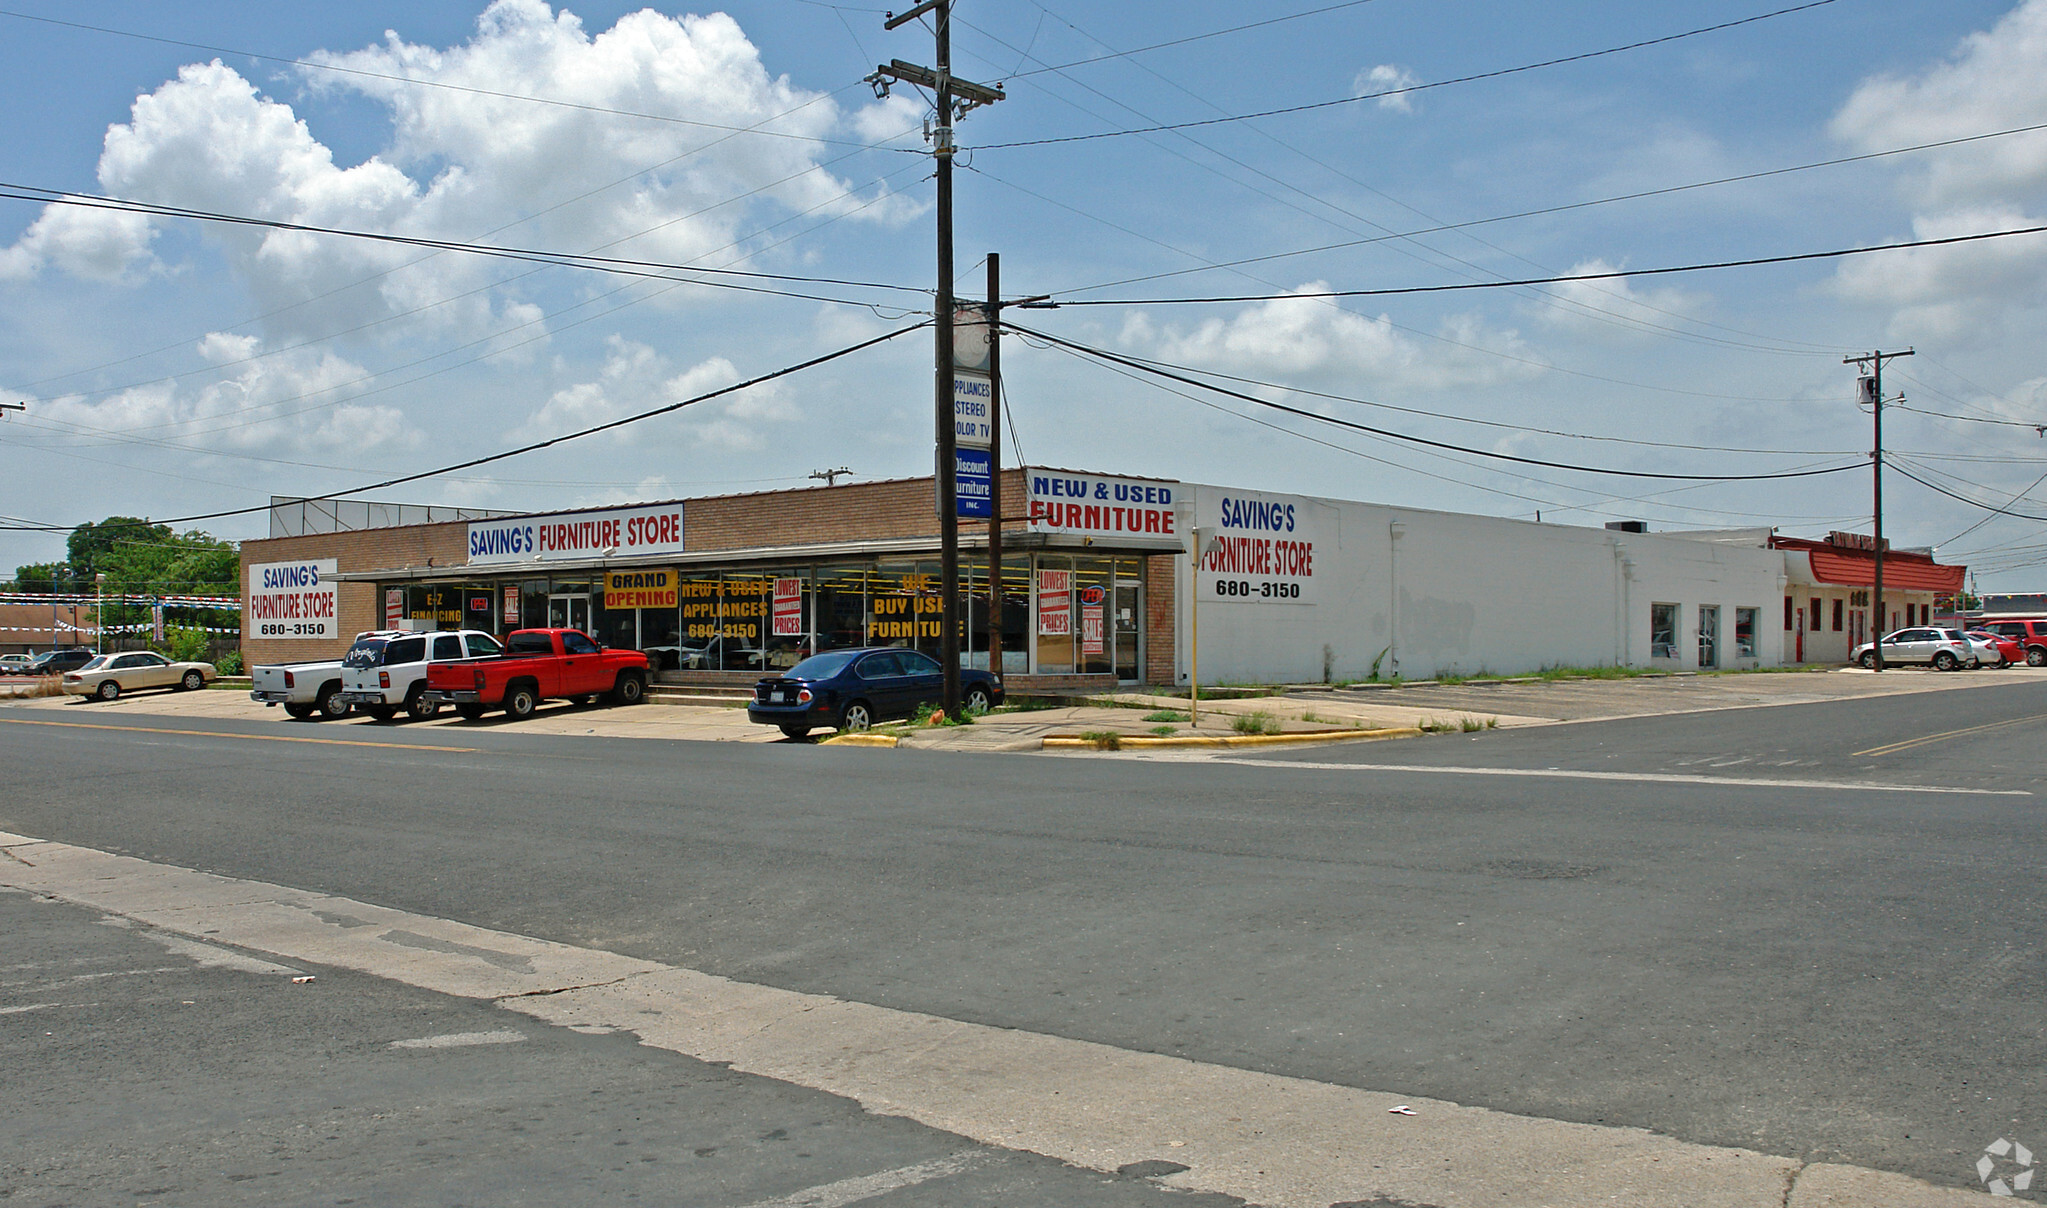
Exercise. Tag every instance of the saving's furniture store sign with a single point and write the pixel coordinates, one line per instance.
(291, 599)
(1258, 548)
(605, 533)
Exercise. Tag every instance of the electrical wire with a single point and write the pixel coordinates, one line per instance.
(1371, 96)
(1118, 358)
(533, 446)
(1126, 54)
(1974, 503)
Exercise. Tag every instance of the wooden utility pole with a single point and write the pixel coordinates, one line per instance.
(995, 464)
(1873, 394)
(965, 95)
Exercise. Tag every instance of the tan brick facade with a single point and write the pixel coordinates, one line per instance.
(1160, 574)
(867, 511)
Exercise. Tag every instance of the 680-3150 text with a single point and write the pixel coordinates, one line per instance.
(312, 630)
(1263, 591)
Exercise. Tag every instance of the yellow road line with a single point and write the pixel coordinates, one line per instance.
(332, 742)
(1924, 739)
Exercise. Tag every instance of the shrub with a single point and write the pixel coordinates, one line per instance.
(229, 663)
(185, 645)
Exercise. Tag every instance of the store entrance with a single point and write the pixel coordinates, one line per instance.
(568, 612)
(1129, 607)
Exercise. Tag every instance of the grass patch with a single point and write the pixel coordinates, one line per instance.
(1103, 740)
(1030, 704)
(1257, 722)
(928, 714)
(1472, 725)
(1166, 715)
(1165, 731)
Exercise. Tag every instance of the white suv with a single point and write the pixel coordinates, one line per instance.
(1943, 649)
(386, 671)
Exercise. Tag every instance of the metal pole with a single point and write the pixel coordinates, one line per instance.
(948, 506)
(994, 465)
(1876, 460)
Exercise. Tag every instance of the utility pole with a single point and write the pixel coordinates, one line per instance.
(995, 465)
(964, 95)
(831, 477)
(1873, 394)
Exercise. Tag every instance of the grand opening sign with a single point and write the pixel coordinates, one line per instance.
(291, 599)
(610, 532)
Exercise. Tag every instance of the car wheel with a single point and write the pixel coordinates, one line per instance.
(520, 703)
(301, 712)
(1868, 659)
(977, 700)
(108, 690)
(418, 707)
(2002, 663)
(796, 731)
(1975, 664)
(631, 688)
(2036, 656)
(1944, 661)
(381, 712)
(192, 682)
(470, 712)
(856, 716)
(329, 704)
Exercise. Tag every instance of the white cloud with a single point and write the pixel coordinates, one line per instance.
(1390, 80)
(1614, 308)
(1304, 338)
(470, 162)
(636, 378)
(1993, 80)
(294, 402)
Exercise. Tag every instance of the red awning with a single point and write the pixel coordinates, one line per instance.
(1858, 569)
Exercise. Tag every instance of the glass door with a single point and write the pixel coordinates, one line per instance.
(1125, 617)
(568, 612)
(1709, 636)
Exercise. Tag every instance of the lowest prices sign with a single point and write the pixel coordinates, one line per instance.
(291, 599)
(1260, 549)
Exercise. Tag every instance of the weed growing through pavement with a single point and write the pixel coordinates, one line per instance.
(1166, 715)
(1256, 722)
(1164, 731)
(1103, 740)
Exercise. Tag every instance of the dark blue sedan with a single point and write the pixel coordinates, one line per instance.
(852, 689)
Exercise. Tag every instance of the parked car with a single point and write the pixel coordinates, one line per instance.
(537, 665)
(1941, 649)
(386, 671)
(2030, 634)
(13, 664)
(311, 689)
(852, 689)
(1994, 648)
(107, 676)
(57, 662)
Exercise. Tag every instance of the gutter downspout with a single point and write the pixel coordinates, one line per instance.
(1394, 532)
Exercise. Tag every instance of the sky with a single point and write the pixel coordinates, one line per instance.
(173, 366)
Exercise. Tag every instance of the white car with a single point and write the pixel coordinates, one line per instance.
(107, 676)
(386, 671)
(1941, 649)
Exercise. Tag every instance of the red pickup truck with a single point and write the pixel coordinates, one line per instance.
(537, 665)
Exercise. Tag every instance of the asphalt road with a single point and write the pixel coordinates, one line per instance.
(1826, 972)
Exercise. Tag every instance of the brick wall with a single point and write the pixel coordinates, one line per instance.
(864, 511)
(1161, 574)
(357, 605)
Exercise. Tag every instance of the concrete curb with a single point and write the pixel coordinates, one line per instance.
(860, 740)
(1075, 742)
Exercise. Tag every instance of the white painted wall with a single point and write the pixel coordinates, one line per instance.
(1458, 594)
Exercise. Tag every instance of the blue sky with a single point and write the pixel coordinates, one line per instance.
(174, 367)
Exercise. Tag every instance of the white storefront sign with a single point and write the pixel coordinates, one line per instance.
(1258, 548)
(620, 532)
(1089, 505)
(973, 409)
(291, 599)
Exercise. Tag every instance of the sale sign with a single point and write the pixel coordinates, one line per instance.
(788, 607)
(1055, 602)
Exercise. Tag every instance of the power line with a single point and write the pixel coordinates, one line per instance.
(1964, 498)
(1117, 358)
(535, 446)
(1461, 286)
(1370, 96)
(1126, 54)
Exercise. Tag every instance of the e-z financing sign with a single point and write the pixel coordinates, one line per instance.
(1086, 505)
(291, 599)
(1263, 548)
(624, 531)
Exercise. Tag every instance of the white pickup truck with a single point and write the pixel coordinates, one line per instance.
(304, 689)
(386, 671)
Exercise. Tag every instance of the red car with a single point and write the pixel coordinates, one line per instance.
(537, 665)
(2009, 650)
(2030, 634)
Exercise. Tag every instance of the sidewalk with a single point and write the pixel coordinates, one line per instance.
(1299, 710)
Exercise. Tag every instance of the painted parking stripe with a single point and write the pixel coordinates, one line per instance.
(1856, 786)
(1927, 739)
(332, 742)
(1265, 1138)
(461, 1040)
(871, 1186)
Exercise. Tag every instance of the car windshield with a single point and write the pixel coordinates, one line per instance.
(97, 662)
(822, 666)
(369, 652)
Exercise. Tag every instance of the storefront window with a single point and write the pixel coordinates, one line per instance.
(904, 607)
(1093, 605)
(1745, 631)
(1663, 631)
(1054, 626)
(838, 607)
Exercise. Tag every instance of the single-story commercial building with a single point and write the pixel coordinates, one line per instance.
(1099, 583)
